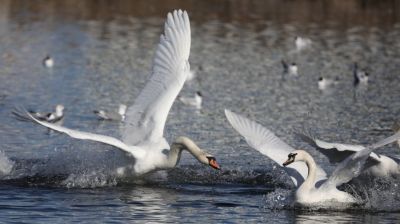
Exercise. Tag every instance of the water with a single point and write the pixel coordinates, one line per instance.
(102, 57)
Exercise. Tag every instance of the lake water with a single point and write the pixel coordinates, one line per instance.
(103, 53)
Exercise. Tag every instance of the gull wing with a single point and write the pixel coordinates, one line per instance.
(266, 142)
(353, 165)
(134, 151)
(336, 152)
(145, 119)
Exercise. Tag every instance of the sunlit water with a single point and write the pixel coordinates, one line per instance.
(47, 177)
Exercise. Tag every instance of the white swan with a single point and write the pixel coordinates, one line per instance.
(111, 115)
(313, 184)
(142, 137)
(377, 165)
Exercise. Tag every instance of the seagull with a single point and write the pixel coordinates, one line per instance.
(360, 76)
(314, 187)
(112, 116)
(302, 43)
(142, 135)
(48, 62)
(191, 75)
(324, 83)
(377, 165)
(193, 101)
(291, 69)
(51, 117)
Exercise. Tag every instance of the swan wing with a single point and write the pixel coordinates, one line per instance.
(335, 152)
(353, 165)
(134, 151)
(267, 143)
(145, 119)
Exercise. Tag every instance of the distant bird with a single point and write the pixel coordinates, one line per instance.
(193, 101)
(191, 75)
(324, 83)
(112, 116)
(302, 43)
(360, 76)
(51, 117)
(291, 69)
(48, 62)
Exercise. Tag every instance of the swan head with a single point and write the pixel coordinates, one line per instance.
(211, 161)
(291, 158)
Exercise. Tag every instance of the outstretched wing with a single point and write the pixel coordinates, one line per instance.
(353, 165)
(336, 152)
(264, 141)
(145, 119)
(135, 151)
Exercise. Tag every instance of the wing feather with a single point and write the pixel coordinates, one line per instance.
(267, 143)
(136, 152)
(145, 119)
(353, 165)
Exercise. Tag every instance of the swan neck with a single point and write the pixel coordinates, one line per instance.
(183, 143)
(312, 172)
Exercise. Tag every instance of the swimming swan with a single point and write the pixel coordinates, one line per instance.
(142, 136)
(313, 184)
(377, 165)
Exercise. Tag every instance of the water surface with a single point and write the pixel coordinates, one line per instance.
(103, 55)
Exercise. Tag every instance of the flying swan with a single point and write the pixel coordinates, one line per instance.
(313, 185)
(142, 135)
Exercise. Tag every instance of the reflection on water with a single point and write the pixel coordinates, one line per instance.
(103, 51)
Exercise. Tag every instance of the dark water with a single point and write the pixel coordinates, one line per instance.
(103, 52)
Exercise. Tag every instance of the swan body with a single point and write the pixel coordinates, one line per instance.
(316, 187)
(193, 101)
(142, 136)
(112, 116)
(308, 193)
(377, 165)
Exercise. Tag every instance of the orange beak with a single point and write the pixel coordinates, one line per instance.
(213, 163)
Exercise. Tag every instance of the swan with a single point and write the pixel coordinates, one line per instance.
(112, 116)
(142, 135)
(314, 186)
(377, 165)
(193, 101)
(51, 117)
